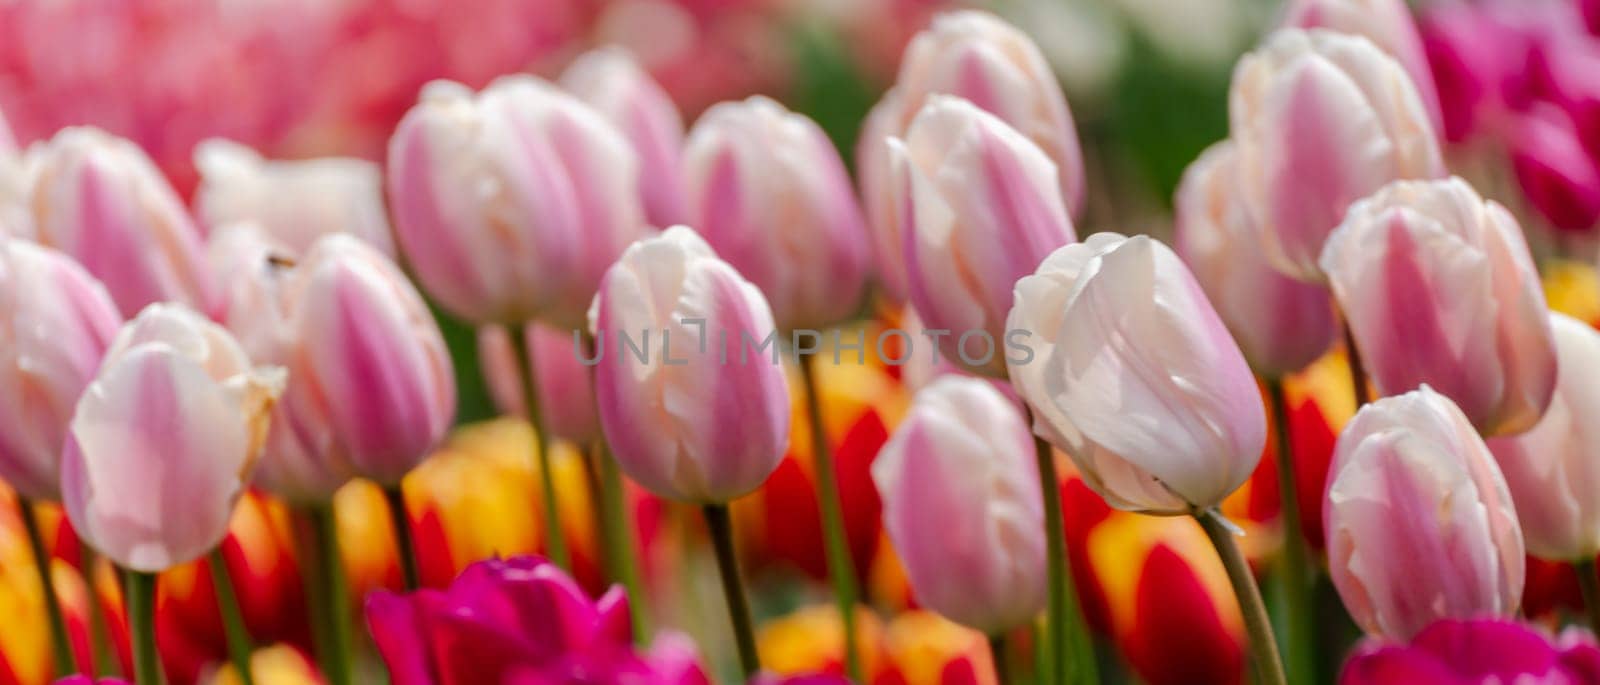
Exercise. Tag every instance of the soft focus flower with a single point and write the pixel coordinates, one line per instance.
(1281, 324)
(1437, 287)
(518, 620)
(564, 384)
(1551, 469)
(510, 203)
(55, 323)
(1321, 119)
(706, 419)
(1556, 174)
(8, 141)
(924, 648)
(612, 82)
(980, 208)
(99, 199)
(1463, 652)
(770, 194)
(295, 202)
(1387, 23)
(1420, 525)
(86, 680)
(1133, 374)
(25, 648)
(961, 502)
(810, 640)
(875, 181)
(164, 439)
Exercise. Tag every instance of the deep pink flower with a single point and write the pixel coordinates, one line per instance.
(86, 680)
(1455, 651)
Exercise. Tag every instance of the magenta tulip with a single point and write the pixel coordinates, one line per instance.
(1556, 173)
(611, 81)
(1473, 652)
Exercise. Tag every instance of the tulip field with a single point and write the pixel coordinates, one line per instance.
(780, 342)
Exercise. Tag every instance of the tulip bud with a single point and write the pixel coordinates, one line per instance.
(55, 323)
(99, 199)
(1419, 523)
(566, 392)
(510, 203)
(961, 503)
(295, 202)
(1387, 23)
(1551, 469)
(1437, 287)
(1281, 324)
(875, 176)
(977, 56)
(1556, 174)
(164, 439)
(981, 208)
(1134, 376)
(1484, 650)
(1321, 119)
(612, 82)
(768, 191)
(704, 414)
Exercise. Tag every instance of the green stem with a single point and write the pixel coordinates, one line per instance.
(720, 526)
(1358, 370)
(335, 595)
(101, 658)
(1587, 582)
(1044, 654)
(233, 627)
(60, 642)
(142, 627)
(1263, 647)
(841, 569)
(404, 548)
(1002, 660)
(1068, 637)
(1298, 628)
(618, 536)
(555, 540)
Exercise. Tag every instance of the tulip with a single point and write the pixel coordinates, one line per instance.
(99, 199)
(1551, 469)
(55, 323)
(1473, 57)
(1387, 23)
(1179, 434)
(1420, 525)
(1438, 287)
(1556, 174)
(510, 203)
(165, 439)
(811, 639)
(1321, 119)
(875, 180)
(611, 81)
(771, 195)
(566, 392)
(8, 142)
(1458, 652)
(977, 56)
(1281, 324)
(958, 483)
(981, 210)
(295, 202)
(86, 680)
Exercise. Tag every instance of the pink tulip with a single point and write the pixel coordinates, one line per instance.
(1551, 469)
(55, 323)
(99, 199)
(1419, 524)
(1438, 287)
(1281, 324)
(704, 416)
(510, 203)
(769, 192)
(8, 142)
(980, 208)
(1557, 175)
(1321, 119)
(1387, 23)
(165, 439)
(1132, 373)
(565, 387)
(977, 56)
(962, 504)
(296, 202)
(611, 81)
(874, 176)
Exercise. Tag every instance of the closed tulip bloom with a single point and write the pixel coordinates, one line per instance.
(611, 81)
(165, 439)
(99, 199)
(1420, 525)
(875, 179)
(981, 209)
(1387, 23)
(961, 502)
(510, 203)
(55, 323)
(296, 202)
(977, 56)
(1322, 119)
(697, 422)
(1551, 469)
(1133, 374)
(1438, 287)
(770, 194)
(1281, 324)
